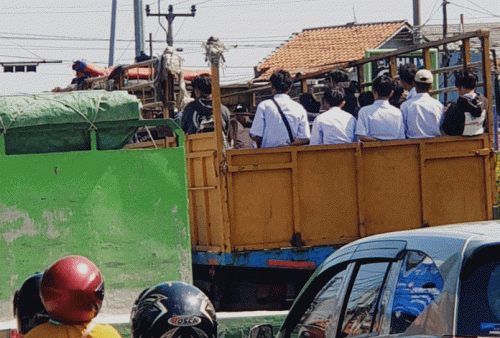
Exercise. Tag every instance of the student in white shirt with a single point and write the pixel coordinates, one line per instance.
(334, 126)
(424, 114)
(406, 74)
(380, 120)
(269, 128)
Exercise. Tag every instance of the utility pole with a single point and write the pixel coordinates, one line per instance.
(112, 34)
(446, 54)
(139, 30)
(170, 19)
(416, 21)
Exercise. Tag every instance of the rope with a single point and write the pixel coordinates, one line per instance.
(92, 125)
(14, 117)
(151, 137)
(3, 126)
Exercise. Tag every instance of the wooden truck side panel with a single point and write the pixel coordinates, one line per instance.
(334, 194)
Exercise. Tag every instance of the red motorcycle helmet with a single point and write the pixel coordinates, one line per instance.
(72, 290)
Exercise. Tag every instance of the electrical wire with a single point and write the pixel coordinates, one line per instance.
(179, 29)
(126, 49)
(432, 12)
(464, 7)
(3, 37)
(484, 9)
(64, 12)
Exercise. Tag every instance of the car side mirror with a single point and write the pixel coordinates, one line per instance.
(261, 331)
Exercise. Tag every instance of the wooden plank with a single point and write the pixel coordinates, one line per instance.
(427, 58)
(230, 205)
(221, 164)
(206, 197)
(303, 83)
(456, 67)
(208, 248)
(145, 145)
(263, 246)
(211, 187)
(198, 154)
(488, 84)
(193, 216)
(360, 190)
(155, 104)
(255, 167)
(421, 150)
(488, 188)
(466, 53)
(392, 67)
(361, 74)
(455, 154)
(295, 193)
(140, 86)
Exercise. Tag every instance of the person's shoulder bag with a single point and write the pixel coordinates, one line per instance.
(290, 135)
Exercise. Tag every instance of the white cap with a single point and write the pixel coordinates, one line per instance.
(424, 76)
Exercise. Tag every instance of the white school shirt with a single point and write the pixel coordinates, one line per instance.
(269, 124)
(334, 126)
(423, 117)
(412, 94)
(380, 120)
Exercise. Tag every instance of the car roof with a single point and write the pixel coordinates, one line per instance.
(451, 238)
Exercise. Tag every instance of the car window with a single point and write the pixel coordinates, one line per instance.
(419, 284)
(362, 308)
(317, 321)
(479, 302)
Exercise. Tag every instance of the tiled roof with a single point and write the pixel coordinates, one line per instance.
(320, 49)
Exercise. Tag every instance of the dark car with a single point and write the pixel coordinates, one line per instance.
(439, 281)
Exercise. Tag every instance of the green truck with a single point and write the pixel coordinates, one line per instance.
(66, 188)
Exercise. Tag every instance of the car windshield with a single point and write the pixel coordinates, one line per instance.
(479, 302)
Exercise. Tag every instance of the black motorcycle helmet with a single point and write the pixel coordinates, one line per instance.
(173, 310)
(28, 307)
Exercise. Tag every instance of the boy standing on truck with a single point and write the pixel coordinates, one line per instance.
(380, 120)
(197, 116)
(406, 74)
(423, 115)
(466, 116)
(280, 121)
(334, 126)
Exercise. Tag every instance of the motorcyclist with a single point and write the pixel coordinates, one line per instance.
(72, 291)
(173, 310)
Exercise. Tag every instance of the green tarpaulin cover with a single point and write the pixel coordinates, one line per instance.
(28, 121)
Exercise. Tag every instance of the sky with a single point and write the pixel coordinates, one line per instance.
(69, 30)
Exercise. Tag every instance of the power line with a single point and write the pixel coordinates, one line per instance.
(470, 9)
(22, 47)
(484, 9)
(64, 12)
(73, 38)
(120, 58)
(59, 7)
(432, 12)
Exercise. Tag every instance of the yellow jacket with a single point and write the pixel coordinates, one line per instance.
(88, 330)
